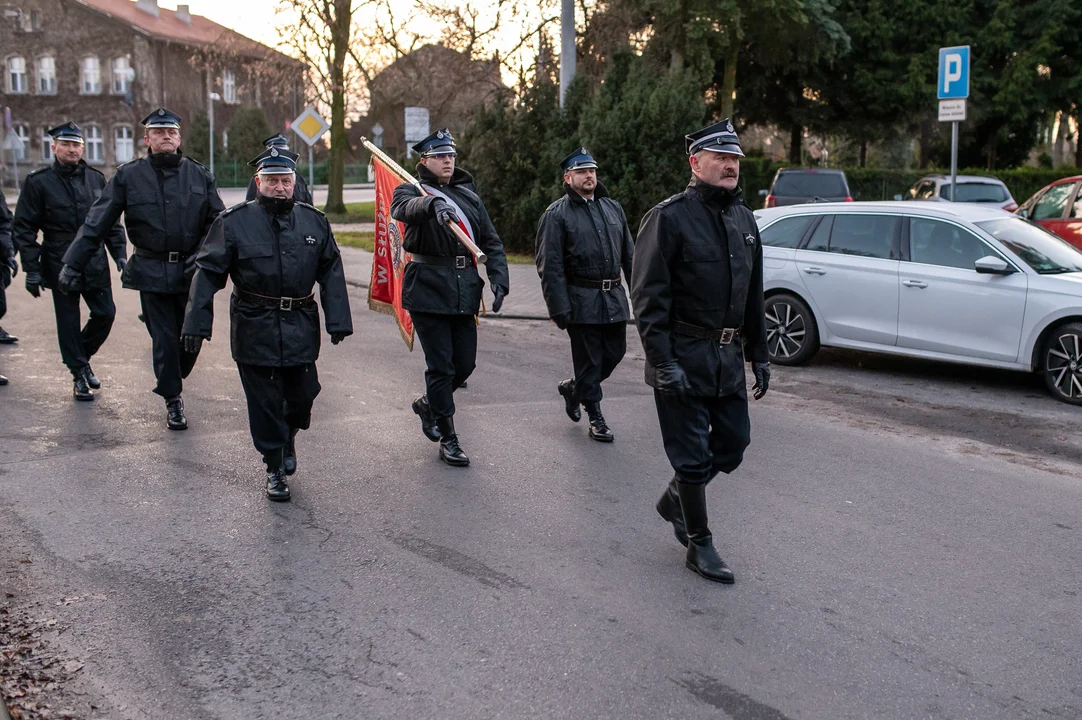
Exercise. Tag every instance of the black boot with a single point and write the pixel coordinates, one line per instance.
(598, 429)
(571, 403)
(668, 507)
(450, 451)
(289, 459)
(428, 420)
(91, 378)
(277, 490)
(175, 409)
(3, 380)
(701, 557)
(81, 391)
(6, 339)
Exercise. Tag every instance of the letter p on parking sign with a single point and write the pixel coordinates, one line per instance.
(953, 73)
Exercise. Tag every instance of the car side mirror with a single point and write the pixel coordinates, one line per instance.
(764, 193)
(992, 265)
(1022, 213)
(897, 197)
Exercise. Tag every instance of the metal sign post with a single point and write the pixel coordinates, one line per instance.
(953, 90)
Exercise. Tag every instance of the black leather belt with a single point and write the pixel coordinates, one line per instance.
(285, 303)
(455, 261)
(724, 336)
(167, 256)
(605, 285)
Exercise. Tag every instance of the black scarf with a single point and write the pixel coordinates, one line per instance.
(165, 160)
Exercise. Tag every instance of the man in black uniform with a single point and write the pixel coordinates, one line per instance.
(55, 200)
(441, 287)
(697, 289)
(275, 249)
(168, 201)
(582, 244)
(301, 193)
(8, 269)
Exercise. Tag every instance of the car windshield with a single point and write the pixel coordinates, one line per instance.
(975, 193)
(810, 185)
(1038, 248)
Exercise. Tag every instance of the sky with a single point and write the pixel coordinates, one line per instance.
(254, 18)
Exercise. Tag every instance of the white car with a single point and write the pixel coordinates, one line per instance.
(943, 281)
(971, 189)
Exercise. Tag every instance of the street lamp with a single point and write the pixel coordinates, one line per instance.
(210, 116)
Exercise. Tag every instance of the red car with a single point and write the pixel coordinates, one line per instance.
(1058, 208)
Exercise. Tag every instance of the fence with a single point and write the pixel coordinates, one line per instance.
(237, 174)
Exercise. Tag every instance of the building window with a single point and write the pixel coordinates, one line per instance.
(91, 84)
(24, 134)
(95, 148)
(125, 144)
(123, 74)
(229, 86)
(46, 145)
(47, 75)
(35, 20)
(16, 75)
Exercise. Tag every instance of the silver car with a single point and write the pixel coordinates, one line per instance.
(971, 189)
(954, 282)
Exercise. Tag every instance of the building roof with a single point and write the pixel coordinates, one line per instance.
(169, 27)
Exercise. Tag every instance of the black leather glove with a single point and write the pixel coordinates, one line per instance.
(338, 337)
(498, 294)
(762, 379)
(121, 265)
(68, 278)
(33, 283)
(444, 212)
(671, 378)
(13, 264)
(562, 320)
(192, 344)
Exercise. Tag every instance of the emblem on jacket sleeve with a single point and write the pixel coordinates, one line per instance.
(749, 239)
(309, 240)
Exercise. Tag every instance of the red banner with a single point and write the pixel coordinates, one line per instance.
(385, 289)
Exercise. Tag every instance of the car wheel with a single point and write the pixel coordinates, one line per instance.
(791, 335)
(1062, 363)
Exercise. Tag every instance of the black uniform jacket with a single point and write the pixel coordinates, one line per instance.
(168, 202)
(444, 289)
(55, 201)
(301, 193)
(699, 260)
(6, 248)
(576, 240)
(277, 256)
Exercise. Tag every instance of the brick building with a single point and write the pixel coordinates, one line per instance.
(107, 63)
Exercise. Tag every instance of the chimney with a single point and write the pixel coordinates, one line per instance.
(184, 15)
(150, 7)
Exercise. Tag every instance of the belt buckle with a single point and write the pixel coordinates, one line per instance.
(727, 336)
(460, 262)
(285, 304)
(174, 257)
(606, 285)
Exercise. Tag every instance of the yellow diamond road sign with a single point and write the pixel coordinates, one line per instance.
(309, 126)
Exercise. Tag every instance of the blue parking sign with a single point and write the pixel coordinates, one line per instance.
(953, 73)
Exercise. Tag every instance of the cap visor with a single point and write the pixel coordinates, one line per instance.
(275, 171)
(727, 149)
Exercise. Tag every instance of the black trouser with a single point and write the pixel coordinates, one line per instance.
(279, 401)
(450, 345)
(703, 435)
(77, 345)
(164, 316)
(5, 280)
(596, 350)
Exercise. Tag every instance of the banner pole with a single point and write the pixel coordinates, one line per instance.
(398, 170)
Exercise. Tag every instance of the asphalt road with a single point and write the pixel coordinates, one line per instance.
(898, 553)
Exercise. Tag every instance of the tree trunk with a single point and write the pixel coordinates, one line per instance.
(676, 57)
(336, 169)
(925, 144)
(796, 140)
(863, 153)
(1059, 146)
(1078, 141)
(728, 78)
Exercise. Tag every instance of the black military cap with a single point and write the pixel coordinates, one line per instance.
(68, 132)
(273, 161)
(580, 159)
(719, 137)
(279, 141)
(162, 118)
(438, 143)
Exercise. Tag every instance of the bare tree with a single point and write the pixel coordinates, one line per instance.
(320, 32)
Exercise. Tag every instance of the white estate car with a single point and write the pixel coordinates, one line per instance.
(944, 281)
